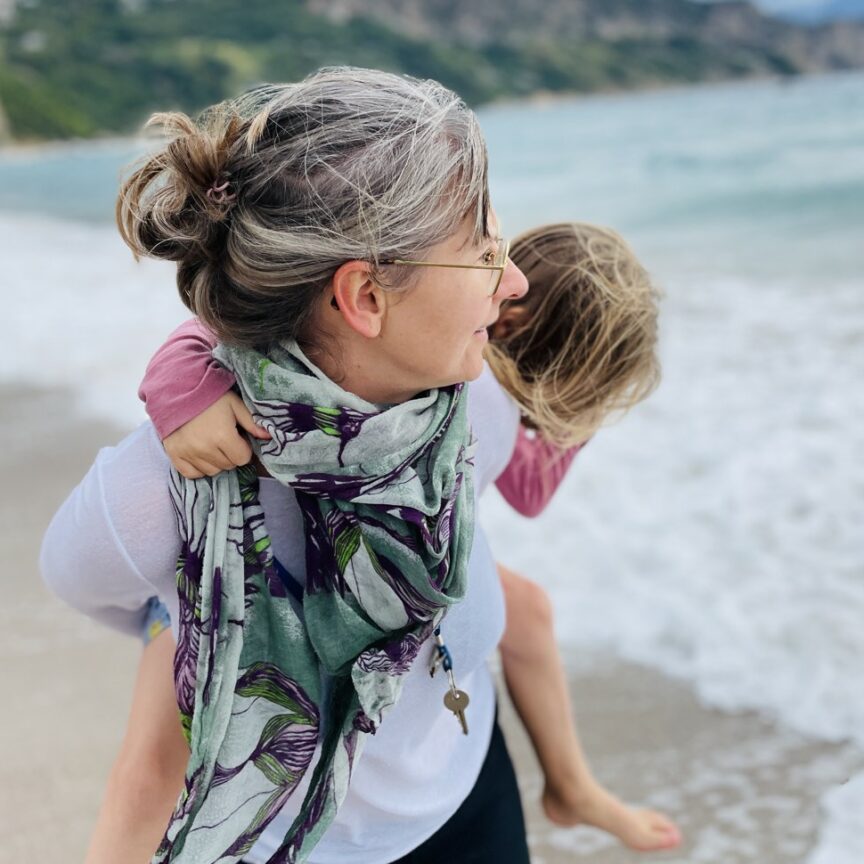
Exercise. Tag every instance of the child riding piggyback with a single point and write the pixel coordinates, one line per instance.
(579, 347)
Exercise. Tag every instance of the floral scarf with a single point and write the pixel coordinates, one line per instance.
(265, 683)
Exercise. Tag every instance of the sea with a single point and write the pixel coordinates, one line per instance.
(716, 532)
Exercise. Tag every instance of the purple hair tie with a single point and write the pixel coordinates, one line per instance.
(218, 192)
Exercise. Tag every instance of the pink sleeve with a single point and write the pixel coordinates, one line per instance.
(183, 379)
(534, 472)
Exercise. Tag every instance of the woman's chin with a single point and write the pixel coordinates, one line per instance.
(475, 363)
(472, 366)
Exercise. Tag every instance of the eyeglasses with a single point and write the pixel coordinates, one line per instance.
(496, 266)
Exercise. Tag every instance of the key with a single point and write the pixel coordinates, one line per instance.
(457, 701)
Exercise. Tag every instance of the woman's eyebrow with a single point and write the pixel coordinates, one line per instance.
(470, 241)
(485, 238)
(489, 236)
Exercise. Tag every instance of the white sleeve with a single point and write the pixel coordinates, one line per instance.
(494, 418)
(114, 543)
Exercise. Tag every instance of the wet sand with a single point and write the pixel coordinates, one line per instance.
(742, 789)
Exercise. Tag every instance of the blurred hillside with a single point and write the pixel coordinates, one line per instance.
(90, 67)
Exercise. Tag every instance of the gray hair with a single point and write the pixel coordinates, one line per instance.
(347, 164)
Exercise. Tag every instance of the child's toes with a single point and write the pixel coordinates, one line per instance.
(668, 828)
(657, 832)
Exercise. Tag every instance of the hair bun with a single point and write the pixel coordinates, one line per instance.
(173, 206)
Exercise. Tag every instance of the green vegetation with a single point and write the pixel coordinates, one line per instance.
(78, 68)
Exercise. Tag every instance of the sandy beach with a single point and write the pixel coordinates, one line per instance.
(742, 789)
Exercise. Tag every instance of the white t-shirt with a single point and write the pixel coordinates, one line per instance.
(114, 544)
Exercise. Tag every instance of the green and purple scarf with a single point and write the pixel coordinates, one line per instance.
(264, 682)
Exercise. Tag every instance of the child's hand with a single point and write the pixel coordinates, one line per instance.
(211, 442)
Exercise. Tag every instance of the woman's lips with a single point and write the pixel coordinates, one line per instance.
(486, 328)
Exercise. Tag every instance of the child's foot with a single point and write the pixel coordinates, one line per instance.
(642, 830)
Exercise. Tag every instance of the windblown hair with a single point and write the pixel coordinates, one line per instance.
(262, 198)
(585, 345)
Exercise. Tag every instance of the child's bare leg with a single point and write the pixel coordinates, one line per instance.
(537, 683)
(147, 775)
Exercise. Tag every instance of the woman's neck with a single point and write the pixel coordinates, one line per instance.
(360, 376)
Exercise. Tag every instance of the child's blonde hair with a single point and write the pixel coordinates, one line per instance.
(585, 346)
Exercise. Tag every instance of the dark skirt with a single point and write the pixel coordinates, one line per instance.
(489, 827)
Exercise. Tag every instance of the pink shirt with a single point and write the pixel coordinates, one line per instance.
(182, 379)
(534, 472)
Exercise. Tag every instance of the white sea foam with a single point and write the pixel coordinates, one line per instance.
(716, 531)
(842, 840)
(79, 312)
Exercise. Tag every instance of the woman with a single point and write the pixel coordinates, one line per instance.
(337, 235)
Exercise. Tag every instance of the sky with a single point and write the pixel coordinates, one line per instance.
(796, 7)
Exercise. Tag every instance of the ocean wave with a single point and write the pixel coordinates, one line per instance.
(82, 313)
(715, 532)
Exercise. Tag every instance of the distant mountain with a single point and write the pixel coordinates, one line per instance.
(813, 11)
(88, 67)
(492, 21)
(731, 34)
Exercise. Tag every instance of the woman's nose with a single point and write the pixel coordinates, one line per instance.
(513, 283)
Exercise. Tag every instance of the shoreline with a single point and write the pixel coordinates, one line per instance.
(742, 789)
(551, 97)
(39, 147)
(24, 148)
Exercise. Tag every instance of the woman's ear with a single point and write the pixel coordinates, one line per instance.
(509, 319)
(358, 298)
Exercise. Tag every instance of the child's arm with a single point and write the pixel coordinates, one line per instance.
(534, 472)
(188, 397)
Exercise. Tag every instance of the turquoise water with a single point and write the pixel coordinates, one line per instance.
(74, 181)
(761, 177)
(729, 175)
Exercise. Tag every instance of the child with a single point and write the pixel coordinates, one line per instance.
(579, 346)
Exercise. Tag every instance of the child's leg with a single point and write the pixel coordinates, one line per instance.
(537, 683)
(147, 775)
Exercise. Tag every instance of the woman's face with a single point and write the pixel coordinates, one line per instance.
(434, 334)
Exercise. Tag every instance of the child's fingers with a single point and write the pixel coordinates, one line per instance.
(186, 469)
(217, 453)
(236, 450)
(244, 419)
(207, 467)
